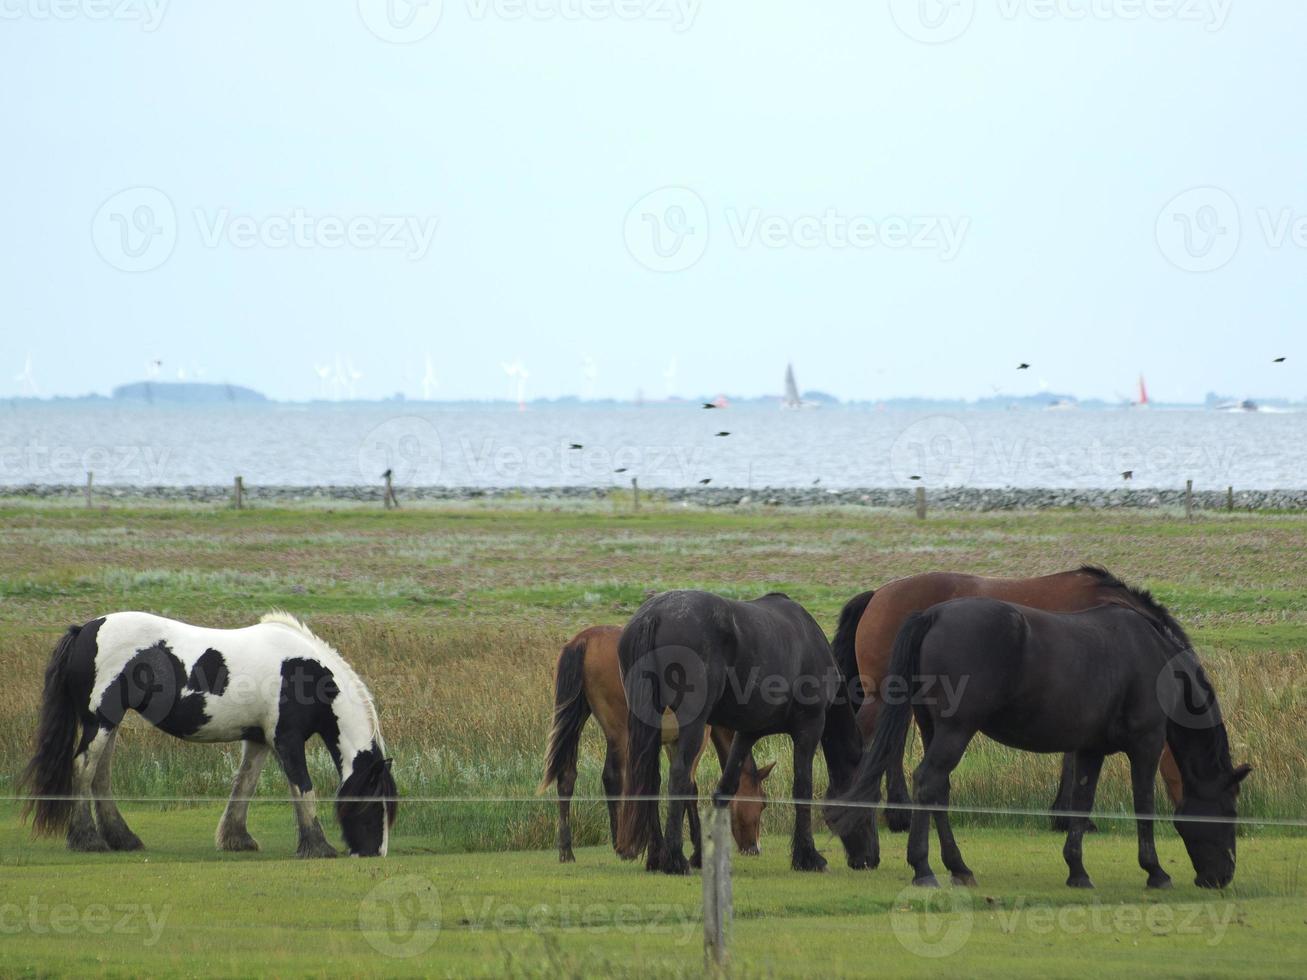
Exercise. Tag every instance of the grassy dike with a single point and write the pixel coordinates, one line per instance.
(454, 615)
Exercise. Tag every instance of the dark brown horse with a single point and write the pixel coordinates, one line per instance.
(588, 681)
(869, 623)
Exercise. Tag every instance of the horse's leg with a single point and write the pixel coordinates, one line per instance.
(1171, 776)
(1085, 772)
(113, 827)
(83, 835)
(803, 850)
(692, 811)
(931, 782)
(313, 842)
(1143, 763)
(232, 834)
(612, 778)
(729, 784)
(566, 787)
(680, 783)
(1065, 790)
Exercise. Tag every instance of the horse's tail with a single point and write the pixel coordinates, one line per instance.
(48, 778)
(846, 654)
(638, 818)
(892, 725)
(571, 711)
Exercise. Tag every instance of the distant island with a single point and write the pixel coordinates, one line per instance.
(186, 393)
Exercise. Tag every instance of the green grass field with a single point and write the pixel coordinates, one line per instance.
(455, 616)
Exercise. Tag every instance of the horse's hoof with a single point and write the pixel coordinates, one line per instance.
(675, 864)
(696, 861)
(321, 850)
(926, 881)
(967, 880)
(125, 842)
(566, 857)
(1082, 881)
(864, 863)
(238, 842)
(898, 821)
(1159, 881)
(808, 862)
(91, 843)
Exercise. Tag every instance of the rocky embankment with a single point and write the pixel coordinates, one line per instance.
(945, 498)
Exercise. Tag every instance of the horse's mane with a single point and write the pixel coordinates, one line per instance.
(1211, 740)
(1142, 600)
(337, 663)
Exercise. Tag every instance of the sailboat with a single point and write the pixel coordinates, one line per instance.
(1142, 401)
(791, 398)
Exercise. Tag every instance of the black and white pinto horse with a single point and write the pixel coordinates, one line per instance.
(273, 686)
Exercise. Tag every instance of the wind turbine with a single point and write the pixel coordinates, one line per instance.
(517, 375)
(429, 381)
(323, 371)
(590, 372)
(152, 368)
(354, 375)
(27, 379)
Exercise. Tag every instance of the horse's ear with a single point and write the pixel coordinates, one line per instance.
(1239, 775)
(765, 771)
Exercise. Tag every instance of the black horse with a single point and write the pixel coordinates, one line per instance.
(760, 668)
(1106, 680)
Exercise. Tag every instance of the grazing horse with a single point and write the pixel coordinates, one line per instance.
(759, 668)
(270, 686)
(870, 621)
(589, 681)
(1093, 683)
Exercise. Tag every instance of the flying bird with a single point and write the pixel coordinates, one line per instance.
(721, 434)
(1128, 475)
(816, 481)
(914, 476)
(709, 405)
(1023, 366)
(575, 445)
(1278, 360)
(705, 481)
(620, 469)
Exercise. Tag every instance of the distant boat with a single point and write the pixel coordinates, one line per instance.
(1142, 402)
(792, 399)
(1247, 405)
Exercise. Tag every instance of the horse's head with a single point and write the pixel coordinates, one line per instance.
(747, 807)
(366, 806)
(1210, 842)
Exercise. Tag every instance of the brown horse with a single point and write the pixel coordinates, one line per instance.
(869, 623)
(589, 681)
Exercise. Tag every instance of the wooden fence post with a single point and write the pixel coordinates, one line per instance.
(718, 907)
(1229, 499)
(1189, 499)
(90, 477)
(238, 493)
(635, 490)
(390, 500)
(921, 503)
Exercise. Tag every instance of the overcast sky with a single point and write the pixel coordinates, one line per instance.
(901, 197)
